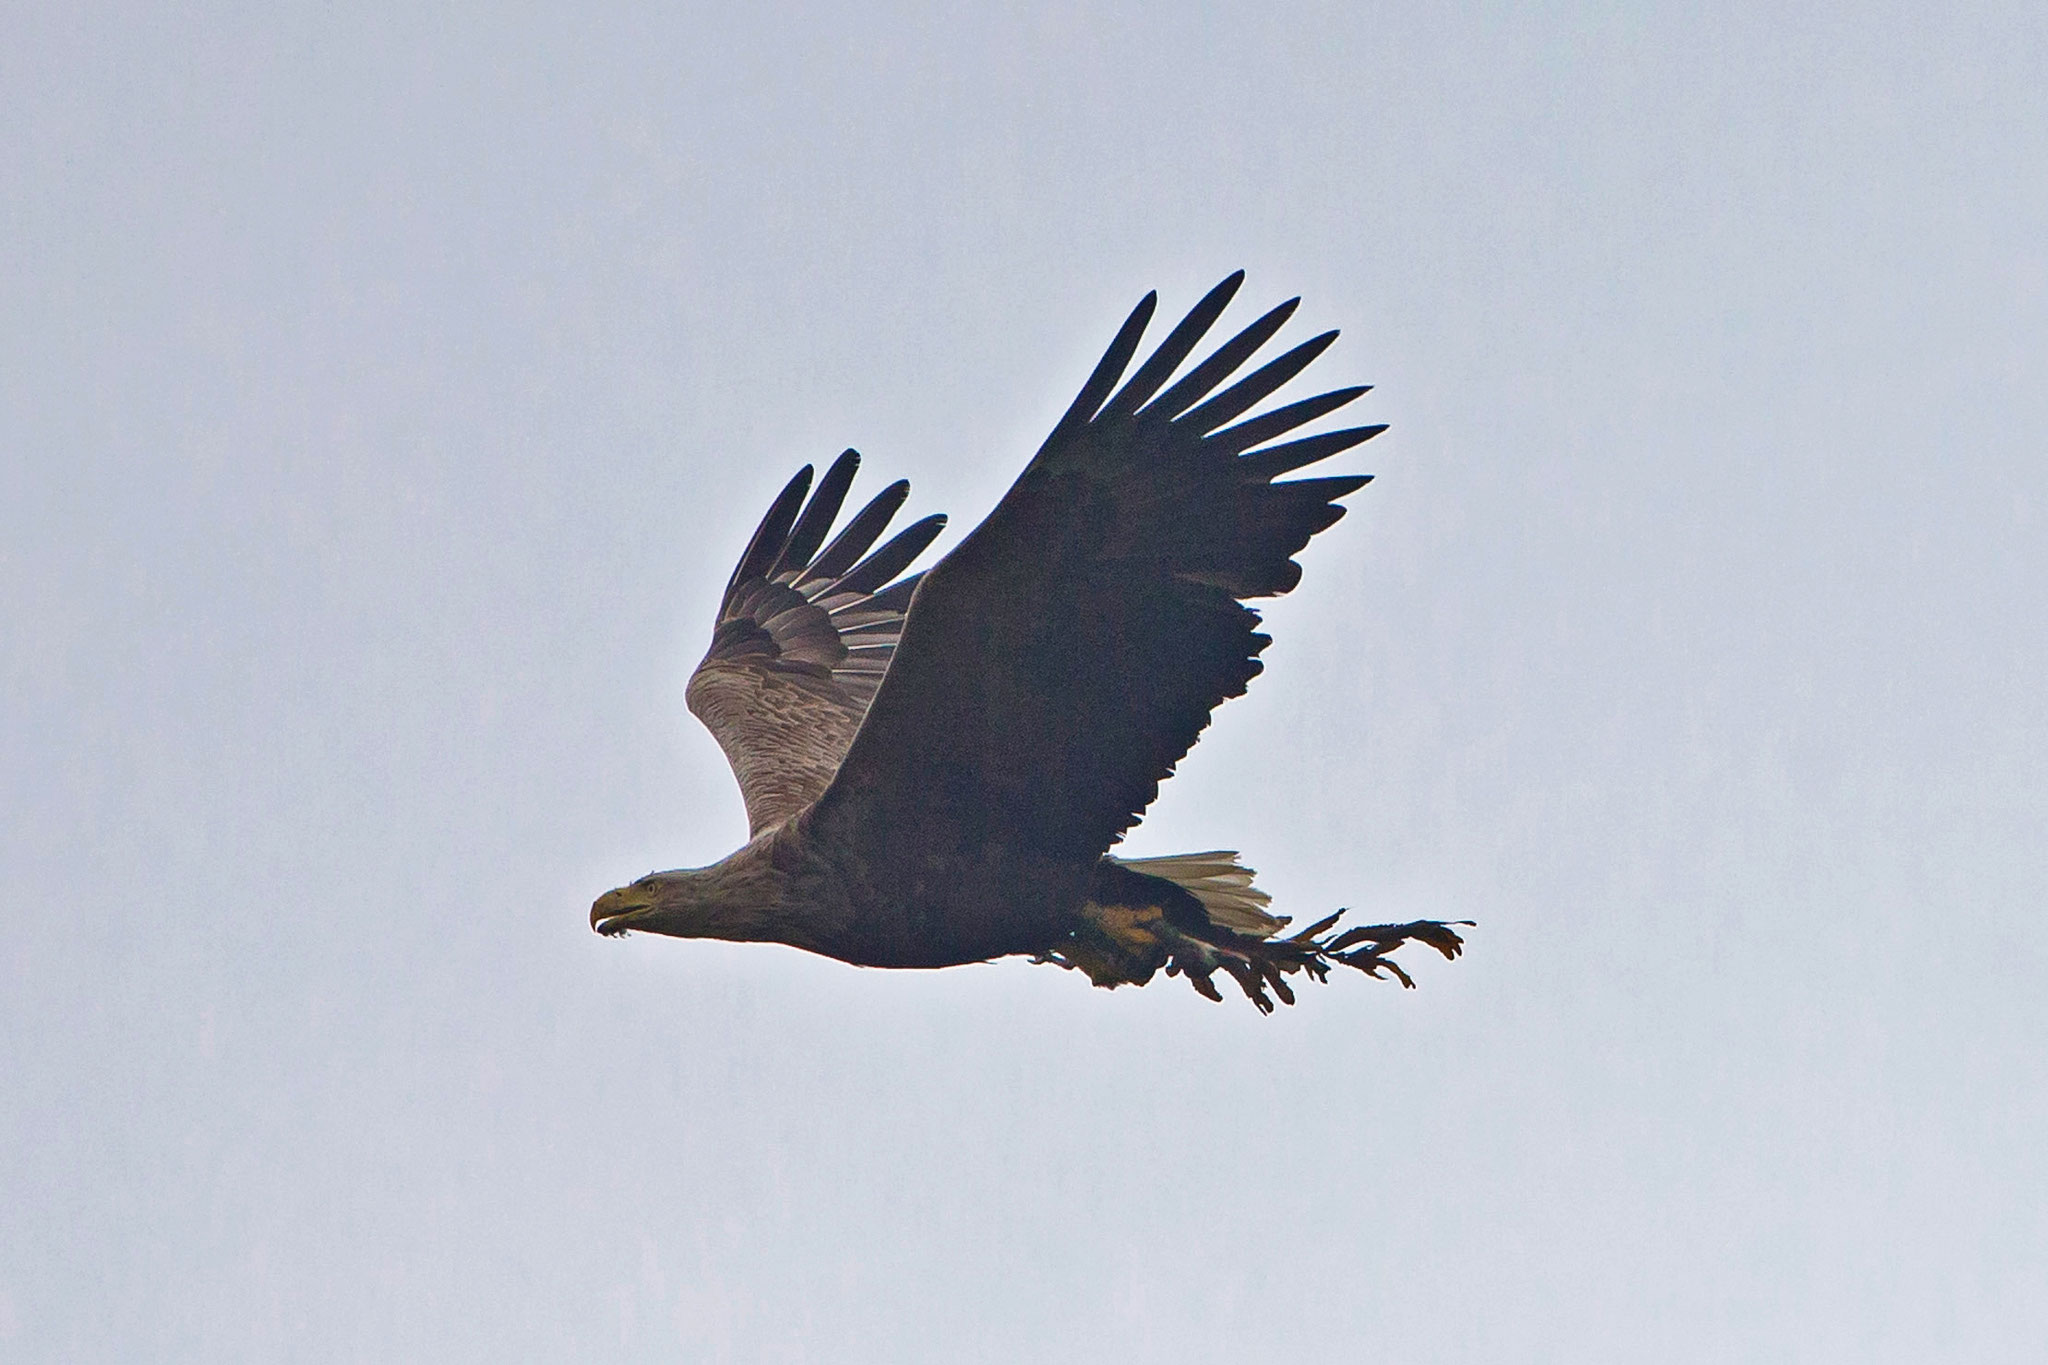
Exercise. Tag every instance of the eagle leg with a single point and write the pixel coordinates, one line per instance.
(1260, 965)
(1116, 945)
(1126, 945)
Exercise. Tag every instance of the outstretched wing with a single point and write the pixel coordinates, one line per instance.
(803, 638)
(1061, 660)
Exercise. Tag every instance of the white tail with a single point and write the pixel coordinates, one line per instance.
(1221, 883)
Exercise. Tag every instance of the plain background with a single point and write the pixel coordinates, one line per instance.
(386, 391)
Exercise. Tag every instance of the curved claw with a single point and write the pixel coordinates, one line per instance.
(1258, 964)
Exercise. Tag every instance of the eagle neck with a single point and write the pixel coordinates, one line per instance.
(756, 895)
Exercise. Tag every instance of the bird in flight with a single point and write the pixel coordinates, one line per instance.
(936, 765)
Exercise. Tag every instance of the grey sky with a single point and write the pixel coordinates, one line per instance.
(385, 393)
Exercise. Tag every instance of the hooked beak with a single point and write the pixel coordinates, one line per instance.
(613, 912)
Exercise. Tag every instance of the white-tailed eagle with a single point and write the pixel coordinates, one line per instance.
(936, 766)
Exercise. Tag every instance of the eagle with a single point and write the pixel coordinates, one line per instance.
(936, 765)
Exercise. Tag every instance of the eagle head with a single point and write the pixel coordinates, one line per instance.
(720, 901)
(650, 903)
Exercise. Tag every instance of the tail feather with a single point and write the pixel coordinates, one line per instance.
(1221, 883)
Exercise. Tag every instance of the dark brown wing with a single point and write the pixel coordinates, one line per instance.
(803, 638)
(1059, 662)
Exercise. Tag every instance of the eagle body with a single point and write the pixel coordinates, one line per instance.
(936, 766)
(787, 886)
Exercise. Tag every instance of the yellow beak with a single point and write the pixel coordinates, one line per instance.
(610, 911)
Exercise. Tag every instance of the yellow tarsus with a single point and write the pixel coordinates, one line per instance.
(1124, 949)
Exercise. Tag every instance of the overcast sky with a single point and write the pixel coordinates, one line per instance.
(387, 390)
